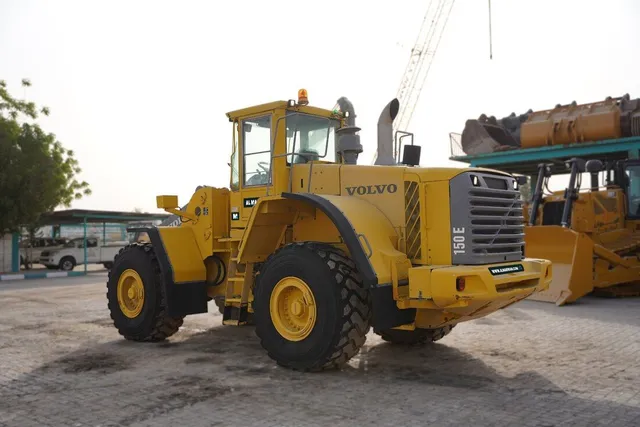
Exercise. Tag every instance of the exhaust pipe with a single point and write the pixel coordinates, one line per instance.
(348, 146)
(384, 155)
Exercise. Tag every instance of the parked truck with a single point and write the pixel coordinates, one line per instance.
(31, 249)
(72, 254)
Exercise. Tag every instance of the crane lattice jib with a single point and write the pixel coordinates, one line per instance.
(420, 59)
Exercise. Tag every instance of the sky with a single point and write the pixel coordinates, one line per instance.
(139, 90)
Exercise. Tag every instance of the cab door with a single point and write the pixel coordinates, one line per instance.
(253, 162)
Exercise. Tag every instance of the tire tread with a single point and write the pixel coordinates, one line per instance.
(355, 302)
(164, 326)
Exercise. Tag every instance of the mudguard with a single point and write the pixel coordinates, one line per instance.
(182, 269)
(368, 235)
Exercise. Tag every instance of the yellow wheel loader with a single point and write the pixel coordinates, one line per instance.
(591, 237)
(315, 250)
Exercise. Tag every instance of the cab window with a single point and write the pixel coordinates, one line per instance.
(256, 138)
(633, 190)
(314, 138)
(235, 173)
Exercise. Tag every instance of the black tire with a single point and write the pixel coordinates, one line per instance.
(67, 263)
(220, 304)
(153, 323)
(108, 265)
(343, 313)
(415, 337)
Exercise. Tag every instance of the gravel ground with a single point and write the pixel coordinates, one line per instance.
(533, 364)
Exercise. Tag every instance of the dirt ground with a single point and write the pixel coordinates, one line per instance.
(533, 364)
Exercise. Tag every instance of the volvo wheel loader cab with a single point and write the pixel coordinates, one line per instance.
(315, 250)
(591, 236)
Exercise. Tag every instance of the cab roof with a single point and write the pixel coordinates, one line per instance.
(261, 108)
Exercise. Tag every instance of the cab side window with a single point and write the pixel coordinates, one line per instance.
(256, 138)
(633, 190)
(235, 173)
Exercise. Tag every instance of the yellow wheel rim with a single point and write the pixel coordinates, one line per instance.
(293, 308)
(130, 293)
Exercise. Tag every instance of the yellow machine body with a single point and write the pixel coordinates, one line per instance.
(400, 248)
(598, 250)
(411, 259)
(417, 269)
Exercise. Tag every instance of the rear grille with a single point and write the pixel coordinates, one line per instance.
(412, 219)
(487, 211)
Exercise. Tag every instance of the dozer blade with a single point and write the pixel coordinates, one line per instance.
(571, 255)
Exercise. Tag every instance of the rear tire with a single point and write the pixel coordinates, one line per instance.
(340, 306)
(415, 337)
(152, 322)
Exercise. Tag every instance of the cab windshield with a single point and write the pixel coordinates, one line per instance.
(314, 136)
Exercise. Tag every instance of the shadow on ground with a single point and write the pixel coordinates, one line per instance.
(121, 382)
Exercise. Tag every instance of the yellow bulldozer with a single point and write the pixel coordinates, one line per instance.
(315, 250)
(591, 236)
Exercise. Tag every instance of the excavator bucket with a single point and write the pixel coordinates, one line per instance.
(571, 254)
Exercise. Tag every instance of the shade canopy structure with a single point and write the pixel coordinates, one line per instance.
(84, 217)
(76, 216)
(525, 161)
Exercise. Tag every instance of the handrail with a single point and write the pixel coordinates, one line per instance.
(397, 143)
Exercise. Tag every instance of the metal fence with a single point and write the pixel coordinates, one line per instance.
(456, 144)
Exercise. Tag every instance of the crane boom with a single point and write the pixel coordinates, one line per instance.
(420, 60)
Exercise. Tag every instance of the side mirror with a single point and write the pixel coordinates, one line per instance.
(521, 179)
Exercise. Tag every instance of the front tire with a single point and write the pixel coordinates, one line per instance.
(136, 296)
(415, 337)
(311, 309)
(67, 264)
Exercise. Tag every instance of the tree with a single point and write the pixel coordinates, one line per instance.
(37, 174)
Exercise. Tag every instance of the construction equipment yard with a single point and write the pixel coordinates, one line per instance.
(531, 364)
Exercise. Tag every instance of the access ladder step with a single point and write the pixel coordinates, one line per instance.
(235, 315)
(229, 239)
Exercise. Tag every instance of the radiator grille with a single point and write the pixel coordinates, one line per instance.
(412, 219)
(486, 218)
(497, 221)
